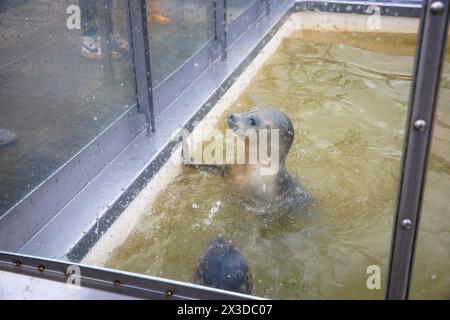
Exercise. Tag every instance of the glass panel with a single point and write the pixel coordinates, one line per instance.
(58, 90)
(177, 29)
(236, 7)
(431, 277)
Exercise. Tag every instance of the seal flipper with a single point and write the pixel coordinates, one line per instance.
(219, 169)
(223, 267)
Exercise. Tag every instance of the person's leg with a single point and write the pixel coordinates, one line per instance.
(120, 25)
(90, 47)
(155, 12)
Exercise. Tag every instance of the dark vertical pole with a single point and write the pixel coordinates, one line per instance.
(267, 7)
(137, 13)
(106, 25)
(428, 64)
(221, 25)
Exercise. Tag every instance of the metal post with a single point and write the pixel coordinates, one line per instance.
(105, 24)
(267, 7)
(221, 24)
(137, 13)
(424, 91)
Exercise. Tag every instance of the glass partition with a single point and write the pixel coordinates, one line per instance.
(65, 76)
(177, 30)
(431, 278)
(236, 7)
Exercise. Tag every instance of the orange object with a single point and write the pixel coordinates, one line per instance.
(154, 13)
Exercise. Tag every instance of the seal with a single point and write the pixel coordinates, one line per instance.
(272, 191)
(223, 267)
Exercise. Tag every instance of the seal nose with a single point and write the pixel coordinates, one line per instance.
(232, 119)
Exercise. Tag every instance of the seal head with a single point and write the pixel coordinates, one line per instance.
(265, 118)
(223, 267)
(277, 190)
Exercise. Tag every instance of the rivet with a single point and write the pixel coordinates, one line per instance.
(420, 125)
(406, 224)
(17, 263)
(437, 7)
(41, 268)
(169, 293)
(117, 283)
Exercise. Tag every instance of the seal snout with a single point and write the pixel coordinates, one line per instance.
(232, 120)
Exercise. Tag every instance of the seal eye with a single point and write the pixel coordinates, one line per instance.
(252, 122)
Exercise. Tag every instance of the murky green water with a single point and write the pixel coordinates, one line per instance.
(346, 95)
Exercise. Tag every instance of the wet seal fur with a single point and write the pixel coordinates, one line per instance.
(223, 267)
(272, 193)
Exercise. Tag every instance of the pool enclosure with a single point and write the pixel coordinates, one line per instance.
(93, 94)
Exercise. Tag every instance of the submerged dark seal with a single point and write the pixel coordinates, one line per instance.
(223, 267)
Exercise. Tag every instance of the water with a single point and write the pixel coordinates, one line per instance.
(346, 95)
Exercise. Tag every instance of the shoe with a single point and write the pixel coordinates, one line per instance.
(7, 137)
(158, 18)
(91, 48)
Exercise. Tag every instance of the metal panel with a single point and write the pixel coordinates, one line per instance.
(428, 64)
(33, 288)
(105, 26)
(137, 13)
(221, 22)
(123, 283)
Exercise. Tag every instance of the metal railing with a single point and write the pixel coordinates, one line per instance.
(424, 92)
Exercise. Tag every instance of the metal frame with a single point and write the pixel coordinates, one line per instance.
(137, 15)
(424, 93)
(220, 18)
(119, 282)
